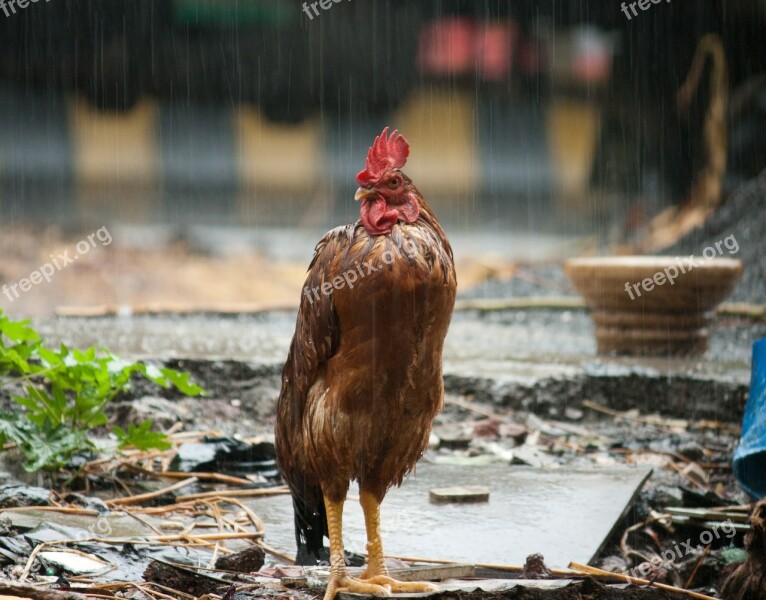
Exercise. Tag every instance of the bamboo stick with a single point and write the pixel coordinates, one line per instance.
(151, 495)
(207, 537)
(70, 510)
(253, 493)
(509, 568)
(203, 476)
(637, 581)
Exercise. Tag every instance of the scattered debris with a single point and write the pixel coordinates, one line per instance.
(317, 577)
(74, 562)
(248, 560)
(176, 577)
(20, 590)
(749, 580)
(15, 495)
(535, 568)
(229, 456)
(187, 509)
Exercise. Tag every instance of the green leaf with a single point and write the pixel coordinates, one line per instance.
(181, 381)
(13, 428)
(54, 449)
(50, 357)
(142, 437)
(18, 331)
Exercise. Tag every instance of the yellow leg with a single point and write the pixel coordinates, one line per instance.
(339, 578)
(376, 571)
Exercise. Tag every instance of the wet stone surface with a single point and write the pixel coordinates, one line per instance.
(564, 514)
(535, 359)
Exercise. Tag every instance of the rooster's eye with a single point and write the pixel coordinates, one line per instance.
(394, 182)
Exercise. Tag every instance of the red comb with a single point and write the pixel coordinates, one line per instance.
(384, 154)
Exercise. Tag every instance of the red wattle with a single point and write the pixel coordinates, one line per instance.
(377, 218)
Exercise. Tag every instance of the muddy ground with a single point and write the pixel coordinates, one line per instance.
(690, 461)
(578, 438)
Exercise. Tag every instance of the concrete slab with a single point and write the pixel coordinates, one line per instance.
(105, 526)
(564, 515)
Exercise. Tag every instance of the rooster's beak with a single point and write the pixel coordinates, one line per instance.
(363, 193)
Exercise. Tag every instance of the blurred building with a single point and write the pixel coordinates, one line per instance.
(260, 111)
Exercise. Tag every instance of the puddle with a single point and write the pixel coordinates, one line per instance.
(565, 515)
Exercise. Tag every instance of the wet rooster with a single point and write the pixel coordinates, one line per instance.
(363, 379)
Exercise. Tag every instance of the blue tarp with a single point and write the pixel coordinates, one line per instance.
(750, 457)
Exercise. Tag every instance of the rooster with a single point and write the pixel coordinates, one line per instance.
(363, 378)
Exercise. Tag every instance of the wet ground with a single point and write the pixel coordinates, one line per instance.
(532, 359)
(563, 514)
(560, 474)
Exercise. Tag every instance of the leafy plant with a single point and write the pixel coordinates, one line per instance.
(65, 395)
(141, 437)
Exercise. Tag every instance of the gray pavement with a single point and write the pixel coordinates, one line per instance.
(541, 359)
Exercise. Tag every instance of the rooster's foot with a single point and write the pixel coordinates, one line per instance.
(344, 583)
(401, 586)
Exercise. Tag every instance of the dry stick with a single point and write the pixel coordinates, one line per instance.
(151, 593)
(636, 526)
(12, 589)
(441, 561)
(254, 519)
(180, 475)
(209, 537)
(637, 581)
(170, 590)
(151, 495)
(275, 552)
(204, 476)
(118, 586)
(255, 492)
(170, 508)
(221, 528)
(85, 512)
(688, 477)
(478, 409)
(187, 435)
(671, 453)
(690, 580)
(141, 520)
(114, 541)
(174, 428)
(31, 559)
(621, 415)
